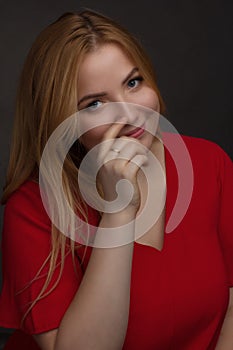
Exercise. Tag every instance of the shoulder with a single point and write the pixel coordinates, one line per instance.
(26, 196)
(24, 210)
(28, 192)
(199, 143)
(204, 150)
(209, 159)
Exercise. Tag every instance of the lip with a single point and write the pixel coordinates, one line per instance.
(137, 132)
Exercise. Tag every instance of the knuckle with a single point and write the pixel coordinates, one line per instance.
(125, 173)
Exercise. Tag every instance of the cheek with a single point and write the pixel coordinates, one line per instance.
(150, 99)
(93, 137)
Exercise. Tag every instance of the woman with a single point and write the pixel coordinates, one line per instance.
(155, 292)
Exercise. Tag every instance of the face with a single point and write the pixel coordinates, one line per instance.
(108, 75)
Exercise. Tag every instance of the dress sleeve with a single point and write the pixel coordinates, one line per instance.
(226, 211)
(25, 246)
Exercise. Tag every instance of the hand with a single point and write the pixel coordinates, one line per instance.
(121, 158)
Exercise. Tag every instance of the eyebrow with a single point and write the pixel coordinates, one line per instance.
(131, 73)
(102, 94)
(91, 96)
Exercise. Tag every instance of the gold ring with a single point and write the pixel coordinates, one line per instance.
(115, 150)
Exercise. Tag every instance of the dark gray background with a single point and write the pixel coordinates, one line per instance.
(190, 43)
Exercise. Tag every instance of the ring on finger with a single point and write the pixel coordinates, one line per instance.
(116, 150)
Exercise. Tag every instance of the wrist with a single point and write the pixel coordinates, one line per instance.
(119, 218)
(116, 229)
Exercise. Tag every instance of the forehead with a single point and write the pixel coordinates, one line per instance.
(107, 60)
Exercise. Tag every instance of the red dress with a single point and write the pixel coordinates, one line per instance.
(179, 296)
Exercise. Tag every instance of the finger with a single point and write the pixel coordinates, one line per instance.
(124, 151)
(135, 164)
(129, 147)
(110, 136)
(114, 129)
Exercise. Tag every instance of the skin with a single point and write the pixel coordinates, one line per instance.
(120, 80)
(107, 75)
(225, 341)
(97, 317)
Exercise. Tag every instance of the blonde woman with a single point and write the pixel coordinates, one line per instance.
(158, 291)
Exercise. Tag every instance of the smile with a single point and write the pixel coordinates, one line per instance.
(137, 132)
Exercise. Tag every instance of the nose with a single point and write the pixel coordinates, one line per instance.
(131, 113)
(124, 108)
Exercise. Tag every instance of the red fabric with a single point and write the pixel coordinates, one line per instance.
(21, 341)
(179, 295)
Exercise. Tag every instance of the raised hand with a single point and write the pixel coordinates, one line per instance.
(121, 159)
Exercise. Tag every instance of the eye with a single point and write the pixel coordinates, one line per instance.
(94, 105)
(133, 83)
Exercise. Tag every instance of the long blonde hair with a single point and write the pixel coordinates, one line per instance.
(47, 95)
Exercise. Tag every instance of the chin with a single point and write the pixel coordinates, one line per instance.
(147, 140)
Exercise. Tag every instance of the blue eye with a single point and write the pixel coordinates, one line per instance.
(94, 105)
(132, 83)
